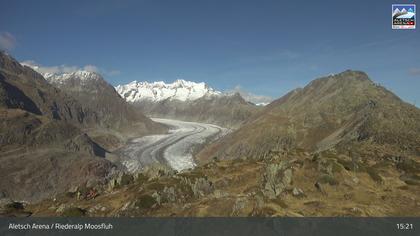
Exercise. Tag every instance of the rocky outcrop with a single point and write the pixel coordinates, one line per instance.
(276, 179)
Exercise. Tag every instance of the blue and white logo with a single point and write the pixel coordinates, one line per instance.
(403, 16)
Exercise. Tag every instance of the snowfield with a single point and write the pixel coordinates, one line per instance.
(174, 149)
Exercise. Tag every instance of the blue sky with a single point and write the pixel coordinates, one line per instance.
(266, 47)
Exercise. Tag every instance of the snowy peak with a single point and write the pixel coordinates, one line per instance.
(81, 75)
(64, 77)
(158, 91)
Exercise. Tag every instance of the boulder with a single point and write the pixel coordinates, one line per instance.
(277, 178)
(297, 192)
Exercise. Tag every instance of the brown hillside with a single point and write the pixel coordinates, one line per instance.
(346, 111)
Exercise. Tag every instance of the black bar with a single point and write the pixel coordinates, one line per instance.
(215, 226)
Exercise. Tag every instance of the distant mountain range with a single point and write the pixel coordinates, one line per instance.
(181, 90)
(190, 101)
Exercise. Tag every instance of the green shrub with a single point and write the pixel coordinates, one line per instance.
(156, 186)
(337, 167)
(412, 182)
(409, 166)
(15, 206)
(73, 212)
(141, 178)
(280, 202)
(126, 179)
(411, 179)
(70, 194)
(327, 179)
(145, 202)
(351, 166)
(374, 175)
(331, 163)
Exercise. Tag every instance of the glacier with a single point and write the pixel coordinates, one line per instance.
(174, 149)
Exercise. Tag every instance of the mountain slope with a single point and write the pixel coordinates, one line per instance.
(25, 89)
(343, 111)
(31, 105)
(244, 188)
(114, 115)
(226, 111)
(43, 149)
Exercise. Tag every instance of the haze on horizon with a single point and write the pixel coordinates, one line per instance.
(261, 47)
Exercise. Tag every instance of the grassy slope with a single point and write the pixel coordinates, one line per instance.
(370, 188)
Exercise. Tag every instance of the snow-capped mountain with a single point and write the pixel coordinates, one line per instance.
(61, 78)
(102, 100)
(81, 75)
(181, 90)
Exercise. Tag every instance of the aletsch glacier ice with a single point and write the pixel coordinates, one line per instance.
(175, 148)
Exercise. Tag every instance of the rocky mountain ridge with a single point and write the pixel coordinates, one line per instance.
(346, 111)
(229, 111)
(114, 114)
(52, 140)
(188, 101)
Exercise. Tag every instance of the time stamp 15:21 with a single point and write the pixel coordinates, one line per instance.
(405, 226)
